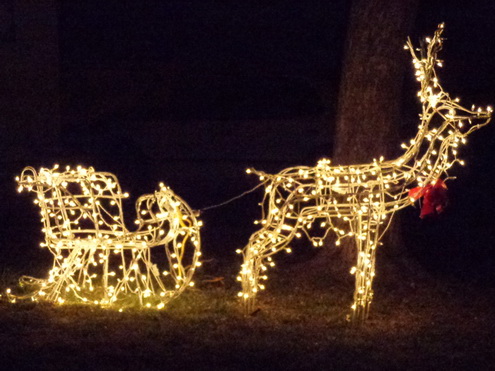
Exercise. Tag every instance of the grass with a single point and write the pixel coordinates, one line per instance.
(422, 323)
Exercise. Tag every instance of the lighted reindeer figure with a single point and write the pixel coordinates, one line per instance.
(359, 201)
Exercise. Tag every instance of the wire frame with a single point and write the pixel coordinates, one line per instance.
(359, 201)
(97, 260)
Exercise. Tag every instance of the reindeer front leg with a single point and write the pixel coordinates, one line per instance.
(366, 234)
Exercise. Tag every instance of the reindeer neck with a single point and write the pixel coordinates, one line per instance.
(431, 153)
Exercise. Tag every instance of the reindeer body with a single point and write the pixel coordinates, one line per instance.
(359, 201)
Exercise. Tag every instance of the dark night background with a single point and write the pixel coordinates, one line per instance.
(193, 92)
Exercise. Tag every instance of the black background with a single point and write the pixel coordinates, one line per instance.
(193, 92)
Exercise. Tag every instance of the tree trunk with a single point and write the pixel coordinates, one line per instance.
(369, 105)
(372, 77)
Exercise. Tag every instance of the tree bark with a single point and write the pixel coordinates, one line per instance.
(372, 77)
(369, 106)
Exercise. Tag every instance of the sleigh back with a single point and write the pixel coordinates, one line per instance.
(76, 204)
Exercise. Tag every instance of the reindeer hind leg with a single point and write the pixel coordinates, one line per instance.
(257, 258)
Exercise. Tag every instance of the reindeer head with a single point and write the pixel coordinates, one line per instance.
(444, 123)
(435, 100)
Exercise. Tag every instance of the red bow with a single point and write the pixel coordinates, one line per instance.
(434, 198)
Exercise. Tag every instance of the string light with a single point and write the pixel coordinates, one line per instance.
(359, 201)
(97, 260)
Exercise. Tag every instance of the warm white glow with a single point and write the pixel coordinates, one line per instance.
(97, 260)
(358, 201)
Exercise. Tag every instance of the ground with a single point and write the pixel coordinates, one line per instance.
(421, 322)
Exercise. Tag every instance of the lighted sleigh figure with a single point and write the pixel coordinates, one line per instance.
(358, 201)
(97, 259)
